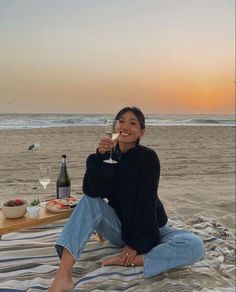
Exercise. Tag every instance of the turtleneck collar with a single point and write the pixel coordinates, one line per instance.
(120, 155)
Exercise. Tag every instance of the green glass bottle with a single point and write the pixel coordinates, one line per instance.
(63, 180)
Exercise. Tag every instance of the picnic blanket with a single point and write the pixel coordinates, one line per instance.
(28, 262)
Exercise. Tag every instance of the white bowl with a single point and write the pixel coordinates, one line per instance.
(33, 211)
(14, 212)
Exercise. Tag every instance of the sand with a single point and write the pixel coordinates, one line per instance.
(197, 165)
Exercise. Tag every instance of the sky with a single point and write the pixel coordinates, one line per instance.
(72, 56)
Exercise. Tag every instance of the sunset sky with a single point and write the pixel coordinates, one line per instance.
(72, 56)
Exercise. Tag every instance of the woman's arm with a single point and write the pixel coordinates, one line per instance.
(98, 177)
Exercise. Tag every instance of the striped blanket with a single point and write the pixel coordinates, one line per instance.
(28, 262)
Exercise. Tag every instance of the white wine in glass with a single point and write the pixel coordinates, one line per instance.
(112, 131)
(44, 178)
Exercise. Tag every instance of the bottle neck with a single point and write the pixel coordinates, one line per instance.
(63, 162)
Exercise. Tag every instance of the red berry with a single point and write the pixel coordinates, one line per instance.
(18, 202)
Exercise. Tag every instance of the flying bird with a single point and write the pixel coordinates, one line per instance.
(34, 146)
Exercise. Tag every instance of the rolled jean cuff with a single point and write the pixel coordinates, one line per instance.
(146, 271)
(59, 248)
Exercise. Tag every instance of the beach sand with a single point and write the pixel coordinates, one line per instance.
(197, 165)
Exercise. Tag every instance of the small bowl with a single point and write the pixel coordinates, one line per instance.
(33, 211)
(14, 212)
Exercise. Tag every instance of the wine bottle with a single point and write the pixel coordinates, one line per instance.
(63, 180)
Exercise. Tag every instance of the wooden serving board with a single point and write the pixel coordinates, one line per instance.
(45, 217)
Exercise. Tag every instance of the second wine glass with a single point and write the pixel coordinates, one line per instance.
(45, 176)
(112, 131)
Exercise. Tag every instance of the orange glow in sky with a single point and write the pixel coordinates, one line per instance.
(91, 57)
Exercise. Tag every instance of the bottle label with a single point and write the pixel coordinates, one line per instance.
(63, 192)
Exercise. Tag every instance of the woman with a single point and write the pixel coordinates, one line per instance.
(134, 217)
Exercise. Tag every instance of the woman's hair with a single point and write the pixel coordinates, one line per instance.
(136, 111)
(139, 115)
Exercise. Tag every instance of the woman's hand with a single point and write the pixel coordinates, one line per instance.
(127, 256)
(106, 144)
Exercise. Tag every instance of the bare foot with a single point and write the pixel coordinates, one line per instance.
(138, 260)
(61, 284)
(115, 261)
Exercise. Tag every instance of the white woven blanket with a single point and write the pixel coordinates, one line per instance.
(28, 262)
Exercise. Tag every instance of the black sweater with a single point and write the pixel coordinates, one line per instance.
(131, 189)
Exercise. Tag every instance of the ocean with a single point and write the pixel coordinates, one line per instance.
(32, 121)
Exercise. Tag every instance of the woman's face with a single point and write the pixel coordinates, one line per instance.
(130, 129)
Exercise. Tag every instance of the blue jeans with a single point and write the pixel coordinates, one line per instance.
(177, 248)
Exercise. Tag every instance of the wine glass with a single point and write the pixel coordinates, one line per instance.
(44, 178)
(112, 131)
